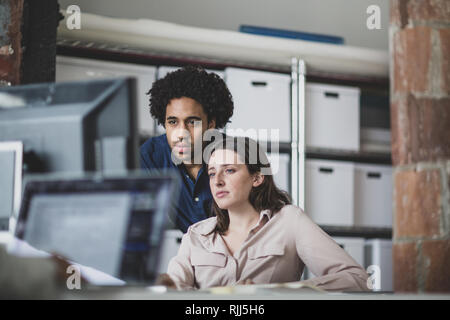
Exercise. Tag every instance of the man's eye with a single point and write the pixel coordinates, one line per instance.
(171, 122)
(191, 122)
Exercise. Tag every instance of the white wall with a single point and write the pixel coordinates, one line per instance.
(345, 18)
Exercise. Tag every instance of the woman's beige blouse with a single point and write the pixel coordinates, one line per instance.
(275, 251)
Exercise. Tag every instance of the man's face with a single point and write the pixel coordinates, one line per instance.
(185, 124)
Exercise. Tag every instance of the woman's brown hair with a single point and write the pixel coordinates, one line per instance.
(263, 197)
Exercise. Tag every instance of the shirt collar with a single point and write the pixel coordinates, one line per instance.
(208, 225)
(211, 241)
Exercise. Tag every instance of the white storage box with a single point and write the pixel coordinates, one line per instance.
(332, 117)
(329, 188)
(169, 249)
(281, 169)
(378, 253)
(373, 195)
(261, 101)
(72, 69)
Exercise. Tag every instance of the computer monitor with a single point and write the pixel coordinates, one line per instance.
(10, 181)
(73, 127)
(112, 224)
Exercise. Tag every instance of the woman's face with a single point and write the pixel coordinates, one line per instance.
(230, 180)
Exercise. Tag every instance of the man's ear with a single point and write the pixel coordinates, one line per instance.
(258, 179)
(212, 124)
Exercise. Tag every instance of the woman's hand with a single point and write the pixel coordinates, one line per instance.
(165, 280)
(246, 282)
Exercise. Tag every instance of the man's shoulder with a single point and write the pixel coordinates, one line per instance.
(154, 142)
(155, 152)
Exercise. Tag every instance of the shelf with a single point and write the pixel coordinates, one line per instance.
(365, 83)
(358, 157)
(108, 52)
(362, 232)
(228, 48)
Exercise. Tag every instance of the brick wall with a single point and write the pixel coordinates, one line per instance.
(10, 41)
(419, 38)
(28, 41)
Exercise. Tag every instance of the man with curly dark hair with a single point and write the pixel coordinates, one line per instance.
(187, 102)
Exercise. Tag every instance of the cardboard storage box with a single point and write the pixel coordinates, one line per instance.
(378, 253)
(332, 117)
(261, 101)
(373, 195)
(329, 192)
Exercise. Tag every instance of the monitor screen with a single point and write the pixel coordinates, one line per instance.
(74, 126)
(86, 228)
(114, 226)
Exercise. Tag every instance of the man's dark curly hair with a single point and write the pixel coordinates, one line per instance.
(193, 82)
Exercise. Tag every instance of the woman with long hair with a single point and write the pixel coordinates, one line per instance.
(257, 236)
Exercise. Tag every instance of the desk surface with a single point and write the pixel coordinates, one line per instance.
(249, 292)
(236, 293)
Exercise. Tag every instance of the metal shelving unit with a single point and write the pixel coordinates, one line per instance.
(299, 77)
(361, 232)
(300, 152)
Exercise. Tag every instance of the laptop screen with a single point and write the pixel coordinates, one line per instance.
(114, 226)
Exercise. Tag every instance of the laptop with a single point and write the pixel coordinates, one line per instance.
(113, 225)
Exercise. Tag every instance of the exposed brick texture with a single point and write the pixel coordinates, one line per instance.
(405, 267)
(398, 13)
(403, 12)
(400, 132)
(444, 37)
(417, 203)
(436, 259)
(420, 127)
(430, 128)
(429, 11)
(412, 54)
(10, 64)
(29, 29)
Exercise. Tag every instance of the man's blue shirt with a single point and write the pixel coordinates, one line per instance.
(194, 202)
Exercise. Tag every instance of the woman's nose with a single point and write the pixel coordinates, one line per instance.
(218, 180)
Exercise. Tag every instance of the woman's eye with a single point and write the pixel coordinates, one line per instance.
(229, 170)
(211, 174)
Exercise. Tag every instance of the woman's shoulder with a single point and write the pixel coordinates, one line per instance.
(292, 215)
(203, 227)
(293, 221)
(290, 210)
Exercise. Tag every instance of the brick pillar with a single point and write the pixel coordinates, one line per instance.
(419, 38)
(28, 41)
(10, 41)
